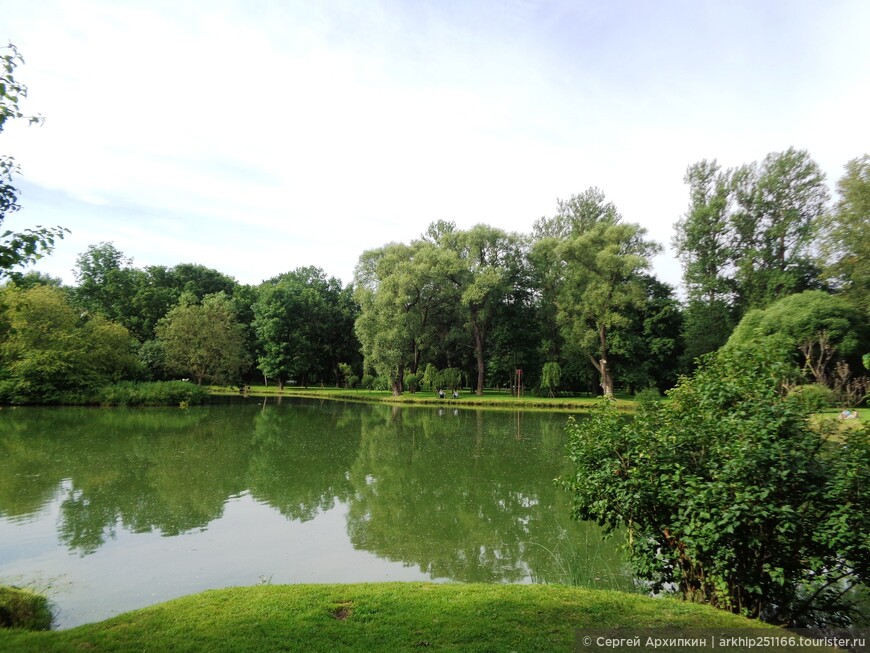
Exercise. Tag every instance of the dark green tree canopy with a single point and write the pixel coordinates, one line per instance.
(304, 325)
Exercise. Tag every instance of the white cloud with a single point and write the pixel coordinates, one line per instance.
(254, 138)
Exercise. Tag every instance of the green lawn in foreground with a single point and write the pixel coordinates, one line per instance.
(377, 617)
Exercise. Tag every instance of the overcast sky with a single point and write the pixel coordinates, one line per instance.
(257, 136)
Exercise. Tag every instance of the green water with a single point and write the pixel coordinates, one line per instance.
(113, 509)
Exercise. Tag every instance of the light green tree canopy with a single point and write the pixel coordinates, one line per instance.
(846, 241)
(748, 235)
(814, 325)
(48, 348)
(595, 263)
(204, 340)
(405, 293)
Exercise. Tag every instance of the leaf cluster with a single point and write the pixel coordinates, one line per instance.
(17, 248)
(728, 496)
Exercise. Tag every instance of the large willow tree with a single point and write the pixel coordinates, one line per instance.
(594, 262)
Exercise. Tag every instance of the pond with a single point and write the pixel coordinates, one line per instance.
(108, 510)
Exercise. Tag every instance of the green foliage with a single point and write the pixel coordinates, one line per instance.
(303, 323)
(157, 393)
(551, 376)
(412, 382)
(29, 245)
(729, 496)
(450, 377)
(648, 396)
(747, 238)
(594, 263)
(816, 326)
(707, 325)
(49, 349)
(846, 238)
(409, 301)
(430, 377)
(205, 341)
(646, 351)
(813, 397)
(20, 608)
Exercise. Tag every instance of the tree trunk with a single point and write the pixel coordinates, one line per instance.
(600, 364)
(478, 352)
(398, 383)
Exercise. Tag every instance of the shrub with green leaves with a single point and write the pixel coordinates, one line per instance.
(729, 497)
(814, 396)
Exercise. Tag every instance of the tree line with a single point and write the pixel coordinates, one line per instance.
(571, 306)
(764, 253)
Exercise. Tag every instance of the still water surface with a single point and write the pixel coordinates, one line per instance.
(109, 510)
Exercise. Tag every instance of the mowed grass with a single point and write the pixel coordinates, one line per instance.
(376, 617)
(489, 399)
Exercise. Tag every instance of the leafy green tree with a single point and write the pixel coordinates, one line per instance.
(706, 327)
(551, 375)
(201, 281)
(846, 241)
(33, 278)
(492, 259)
(204, 340)
(301, 320)
(748, 236)
(703, 236)
(47, 348)
(816, 327)
(17, 248)
(729, 496)
(779, 208)
(704, 241)
(404, 293)
(573, 216)
(599, 260)
(105, 283)
(746, 240)
(646, 350)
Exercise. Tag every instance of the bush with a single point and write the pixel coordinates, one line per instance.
(24, 609)
(450, 377)
(648, 396)
(729, 497)
(813, 397)
(412, 382)
(155, 393)
(352, 381)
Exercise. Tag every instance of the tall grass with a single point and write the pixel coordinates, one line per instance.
(155, 393)
(588, 563)
(21, 608)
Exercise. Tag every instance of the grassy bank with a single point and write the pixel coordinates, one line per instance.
(490, 398)
(377, 617)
